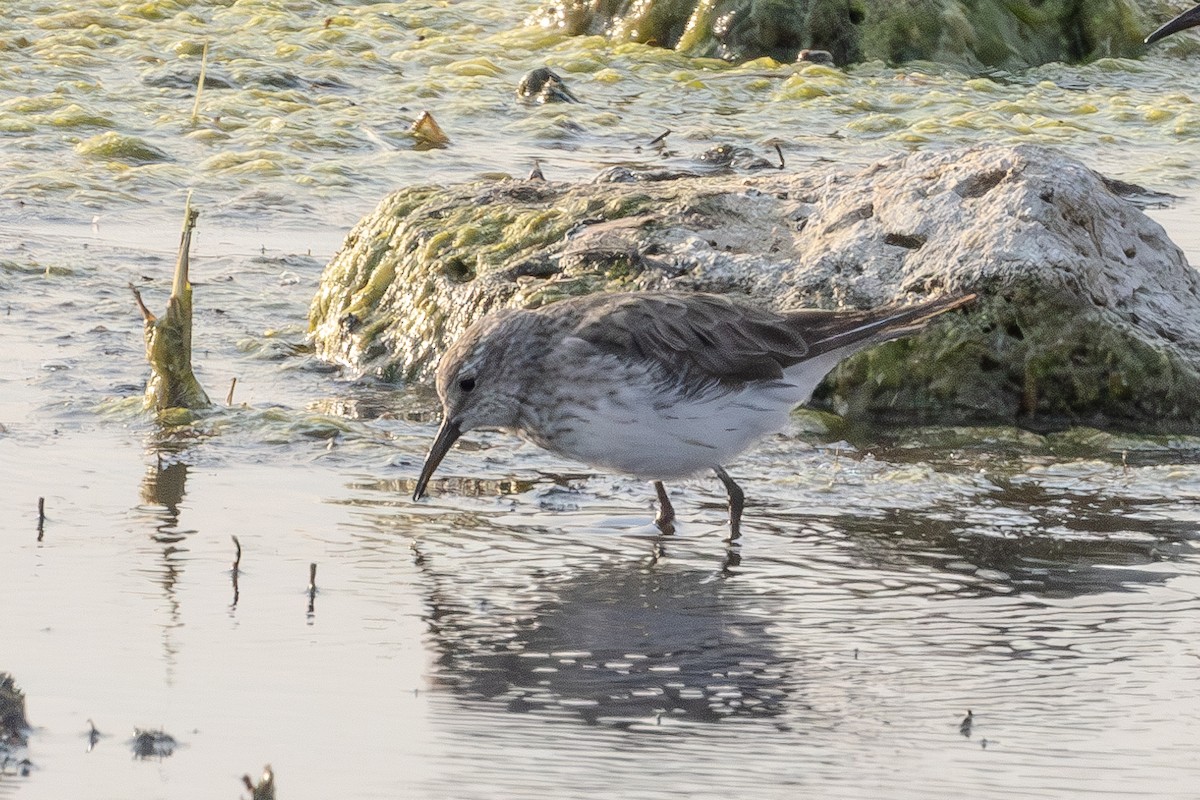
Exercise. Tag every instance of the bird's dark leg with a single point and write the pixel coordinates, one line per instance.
(665, 520)
(737, 501)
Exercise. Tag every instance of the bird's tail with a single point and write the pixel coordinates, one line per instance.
(839, 330)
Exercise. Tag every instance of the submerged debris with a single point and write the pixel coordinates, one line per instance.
(543, 85)
(172, 383)
(14, 727)
(816, 57)
(12, 707)
(93, 736)
(152, 744)
(265, 788)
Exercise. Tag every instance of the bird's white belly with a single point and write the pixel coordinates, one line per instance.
(644, 436)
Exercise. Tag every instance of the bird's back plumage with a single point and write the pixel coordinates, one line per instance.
(704, 337)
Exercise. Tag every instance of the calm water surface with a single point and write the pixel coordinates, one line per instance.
(524, 632)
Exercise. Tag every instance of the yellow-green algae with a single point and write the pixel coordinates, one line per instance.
(278, 61)
(486, 239)
(1021, 356)
(118, 147)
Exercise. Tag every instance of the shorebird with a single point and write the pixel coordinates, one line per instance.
(654, 385)
(1188, 19)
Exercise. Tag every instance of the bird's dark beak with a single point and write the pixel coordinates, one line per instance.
(1188, 19)
(447, 435)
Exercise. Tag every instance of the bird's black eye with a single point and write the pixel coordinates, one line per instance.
(466, 384)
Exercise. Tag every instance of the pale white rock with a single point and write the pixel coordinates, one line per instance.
(1088, 312)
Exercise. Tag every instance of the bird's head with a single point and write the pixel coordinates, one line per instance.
(478, 383)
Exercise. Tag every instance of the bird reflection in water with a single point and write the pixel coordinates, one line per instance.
(634, 645)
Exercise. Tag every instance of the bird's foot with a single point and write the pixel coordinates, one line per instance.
(665, 519)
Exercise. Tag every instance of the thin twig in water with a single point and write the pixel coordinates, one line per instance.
(200, 83)
(93, 736)
(41, 517)
(229, 397)
(237, 568)
(779, 150)
(147, 314)
(312, 587)
(661, 137)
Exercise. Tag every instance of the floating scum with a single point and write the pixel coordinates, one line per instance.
(172, 383)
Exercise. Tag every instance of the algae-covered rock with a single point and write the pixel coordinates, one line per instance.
(429, 261)
(995, 33)
(1088, 311)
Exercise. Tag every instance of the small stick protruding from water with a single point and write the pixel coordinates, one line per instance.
(200, 83)
(147, 314)
(229, 397)
(237, 568)
(312, 587)
(662, 137)
(41, 517)
(779, 150)
(93, 736)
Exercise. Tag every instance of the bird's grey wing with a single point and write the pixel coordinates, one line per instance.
(712, 338)
(850, 331)
(705, 337)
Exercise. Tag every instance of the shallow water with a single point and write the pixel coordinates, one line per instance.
(524, 631)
